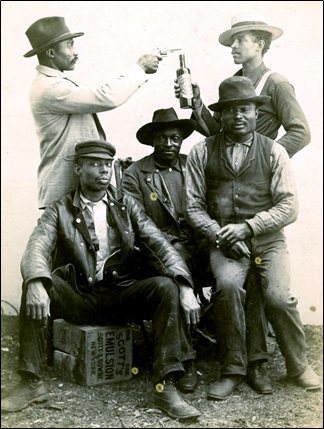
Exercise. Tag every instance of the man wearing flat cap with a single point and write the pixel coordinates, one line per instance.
(93, 236)
(65, 112)
(240, 195)
(250, 38)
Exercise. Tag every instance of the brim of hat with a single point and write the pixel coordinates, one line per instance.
(145, 134)
(259, 100)
(226, 37)
(73, 158)
(67, 36)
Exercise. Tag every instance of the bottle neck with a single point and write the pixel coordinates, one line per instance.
(182, 61)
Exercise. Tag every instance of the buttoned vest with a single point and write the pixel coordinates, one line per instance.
(234, 197)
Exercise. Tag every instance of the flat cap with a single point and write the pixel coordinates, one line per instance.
(95, 149)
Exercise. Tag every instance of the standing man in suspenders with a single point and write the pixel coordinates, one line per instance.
(249, 39)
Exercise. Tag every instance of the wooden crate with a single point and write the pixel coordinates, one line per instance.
(92, 355)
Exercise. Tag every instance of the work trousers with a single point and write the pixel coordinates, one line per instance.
(238, 305)
(155, 298)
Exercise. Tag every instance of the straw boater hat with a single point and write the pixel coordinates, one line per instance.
(162, 119)
(47, 31)
(237, 89)
(247, 21)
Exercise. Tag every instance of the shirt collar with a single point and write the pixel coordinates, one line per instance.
(175, 167)
(48, 71)
(229, 142)
(87, 203)
(256, 74)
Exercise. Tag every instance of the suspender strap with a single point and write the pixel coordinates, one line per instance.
(262, 82)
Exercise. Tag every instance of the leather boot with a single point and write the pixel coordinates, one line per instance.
(189, 380)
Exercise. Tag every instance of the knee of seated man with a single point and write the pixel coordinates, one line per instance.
(228, 286)
(166, 286)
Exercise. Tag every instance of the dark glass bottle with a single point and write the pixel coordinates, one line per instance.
(184, 81)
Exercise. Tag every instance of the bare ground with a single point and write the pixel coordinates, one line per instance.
(125, 404)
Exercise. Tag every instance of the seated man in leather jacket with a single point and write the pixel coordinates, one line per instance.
(94, 233)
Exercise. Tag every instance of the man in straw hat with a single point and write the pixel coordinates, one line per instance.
(65, 112)
(99, 281)
(250, 38)
(157, 183)
(240, 195)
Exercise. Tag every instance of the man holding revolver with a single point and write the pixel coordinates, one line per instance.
(64, 111)
(240, 196)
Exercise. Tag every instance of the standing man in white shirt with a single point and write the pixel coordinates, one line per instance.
(65, 112)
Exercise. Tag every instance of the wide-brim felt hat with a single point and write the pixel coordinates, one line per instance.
(248, 21)
(237, 89)
(92, 149)
(162, 119)
(45, 32)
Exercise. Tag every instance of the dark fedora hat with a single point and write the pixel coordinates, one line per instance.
(47, 31)
(162, 119)
(237, 89)
(92, 149)
(248, 21)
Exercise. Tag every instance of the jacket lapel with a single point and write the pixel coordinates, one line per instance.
(78, 219)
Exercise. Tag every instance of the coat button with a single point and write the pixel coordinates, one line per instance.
(81, 244)
(78, 220)
(123, 208)
(126, 232)
(156, 171)
(112, 204)
(90, 279)
(114, 273)
(165, 200)
(148, 180)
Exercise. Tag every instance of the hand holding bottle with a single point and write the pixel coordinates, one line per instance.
(196, 99)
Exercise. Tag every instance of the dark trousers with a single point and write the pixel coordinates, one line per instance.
(155, 298)
(238, 307)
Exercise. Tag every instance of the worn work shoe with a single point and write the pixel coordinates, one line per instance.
(25, 393)
(224, 387)
(259, 379)
(170, 401)
(308, 380)
(189, 380)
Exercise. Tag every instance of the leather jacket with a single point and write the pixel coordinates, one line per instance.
(62, 237)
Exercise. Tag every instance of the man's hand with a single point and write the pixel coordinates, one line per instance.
(37, 302)
(149, 62)
(190, 307)
(196, 100)
(232, 233)
(237, 251)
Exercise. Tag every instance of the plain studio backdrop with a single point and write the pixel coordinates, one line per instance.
(117, 33)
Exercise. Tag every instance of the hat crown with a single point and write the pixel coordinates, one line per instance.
(248, 18)
(93, 148)
(44, 30)
(165, 115)
(236, 88)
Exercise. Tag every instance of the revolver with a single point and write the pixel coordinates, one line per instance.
(164, 52)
